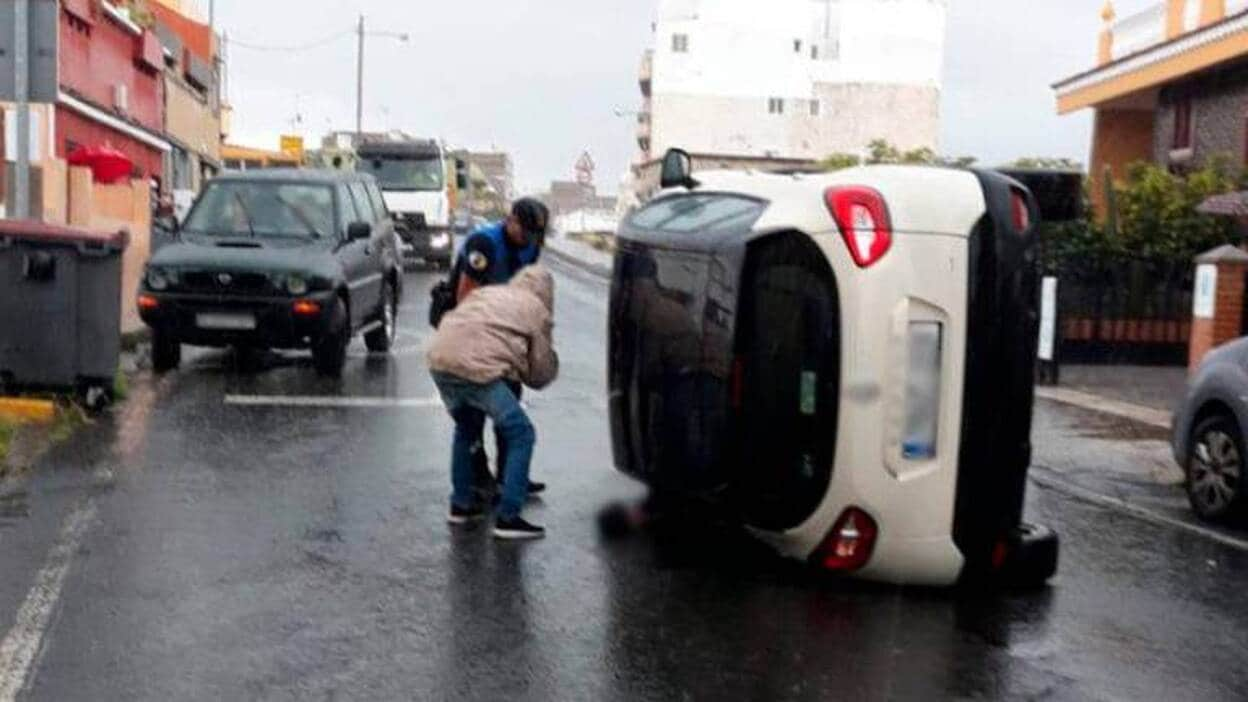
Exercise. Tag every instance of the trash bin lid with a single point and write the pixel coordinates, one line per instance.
(40, 232)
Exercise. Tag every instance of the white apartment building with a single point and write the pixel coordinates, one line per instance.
(747, 81)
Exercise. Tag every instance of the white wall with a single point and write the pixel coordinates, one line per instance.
(877, 74)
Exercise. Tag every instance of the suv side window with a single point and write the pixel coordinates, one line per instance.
(379, 201)
(362, 203)
(349, 212)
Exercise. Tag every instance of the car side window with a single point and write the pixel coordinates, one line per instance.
(349, 212)
(379, 201)
(362, 204)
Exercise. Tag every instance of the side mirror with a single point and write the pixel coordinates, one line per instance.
(359, 230)
(677, 170)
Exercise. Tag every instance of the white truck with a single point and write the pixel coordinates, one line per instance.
(418, 182)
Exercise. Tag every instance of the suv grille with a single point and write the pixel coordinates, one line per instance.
(224, 282)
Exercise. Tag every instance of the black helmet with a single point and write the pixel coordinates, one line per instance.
(532, 215)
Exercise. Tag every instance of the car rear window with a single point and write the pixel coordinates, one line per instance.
(699, 213)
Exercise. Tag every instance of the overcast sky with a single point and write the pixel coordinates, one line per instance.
(542, 79)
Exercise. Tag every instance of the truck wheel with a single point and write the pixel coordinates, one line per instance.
(329, 354)
(381, 339)
(166, 351)
(1215, 470)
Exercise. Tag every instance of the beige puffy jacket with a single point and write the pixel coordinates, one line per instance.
(501, 332)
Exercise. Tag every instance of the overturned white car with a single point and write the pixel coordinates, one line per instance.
(844, 362)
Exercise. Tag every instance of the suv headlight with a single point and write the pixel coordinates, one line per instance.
(296, 284)
(157, 279)
(440, 241)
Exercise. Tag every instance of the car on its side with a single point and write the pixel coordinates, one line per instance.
(1208, 434)
(277, 259)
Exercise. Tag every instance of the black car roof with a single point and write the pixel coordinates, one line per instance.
(295, 175)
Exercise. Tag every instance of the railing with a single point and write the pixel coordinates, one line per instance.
(1141, 30)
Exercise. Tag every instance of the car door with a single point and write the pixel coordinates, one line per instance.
(378, 243)
(356, 258)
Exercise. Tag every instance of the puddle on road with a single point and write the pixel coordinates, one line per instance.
(1088, 424)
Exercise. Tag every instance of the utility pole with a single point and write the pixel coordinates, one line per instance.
(21, 60)
(359, 86)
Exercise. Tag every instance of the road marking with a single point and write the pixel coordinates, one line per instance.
(329, 401)
(22, 643)
(1096, 403)
(1125, 507)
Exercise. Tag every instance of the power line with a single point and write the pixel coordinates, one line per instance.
(293, 47)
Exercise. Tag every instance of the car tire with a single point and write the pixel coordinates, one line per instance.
(329, 353)
(381, 339)
(1215, 469)
(166, 351)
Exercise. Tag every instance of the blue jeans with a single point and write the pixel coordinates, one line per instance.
(469, 405)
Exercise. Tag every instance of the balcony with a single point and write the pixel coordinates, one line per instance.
(1148, 28)
(646, 74)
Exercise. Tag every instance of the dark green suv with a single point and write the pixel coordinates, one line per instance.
(280, 259)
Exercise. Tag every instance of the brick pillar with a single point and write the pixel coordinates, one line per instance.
(1218, 309)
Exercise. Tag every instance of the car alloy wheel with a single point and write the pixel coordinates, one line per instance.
(1215, 470)
(381, 339)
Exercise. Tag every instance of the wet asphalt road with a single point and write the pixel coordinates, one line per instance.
(189, 548)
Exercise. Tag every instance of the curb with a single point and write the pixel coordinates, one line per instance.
(1095, 403)
(569, 259)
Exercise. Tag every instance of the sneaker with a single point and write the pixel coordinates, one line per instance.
(464, 515)
(517, 528)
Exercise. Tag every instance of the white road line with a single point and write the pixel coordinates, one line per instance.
(329, 401)
(22, 643)
(1125, 507)
(1144, 415)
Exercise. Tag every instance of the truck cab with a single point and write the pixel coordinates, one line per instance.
(415, 182)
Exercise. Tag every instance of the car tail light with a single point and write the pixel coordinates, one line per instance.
(306, 308)
(1019, 210)
(922, 415)
(862, 216)
(147, 302)
(850, 543)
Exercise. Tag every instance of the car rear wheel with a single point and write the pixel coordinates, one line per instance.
(329, 354)
(381, 339)
(166, 351)
(1215, 469)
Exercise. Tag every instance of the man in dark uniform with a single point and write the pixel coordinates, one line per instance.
(491, 255)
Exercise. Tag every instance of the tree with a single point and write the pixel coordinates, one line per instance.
(839, 162)
(1048, 163)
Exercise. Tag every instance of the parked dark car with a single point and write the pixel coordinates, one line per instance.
(279, 259)
(1209, 434)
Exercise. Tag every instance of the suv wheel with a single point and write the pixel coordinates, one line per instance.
(329, 354)
(1215, 469)
(381, 339)
(166, 351)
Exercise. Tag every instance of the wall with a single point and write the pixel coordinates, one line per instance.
(71, 126)
(907, 116)
(190, 120)
(93, 61)
(1219, 114)
(1119, 138)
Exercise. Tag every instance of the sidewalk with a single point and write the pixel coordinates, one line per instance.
(581, 255)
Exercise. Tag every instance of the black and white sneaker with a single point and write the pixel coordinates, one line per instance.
(516, 529)
(464, 515)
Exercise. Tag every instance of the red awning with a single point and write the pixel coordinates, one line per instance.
(108, 165)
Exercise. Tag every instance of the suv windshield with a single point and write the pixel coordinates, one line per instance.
(255, 209)
(405, 173)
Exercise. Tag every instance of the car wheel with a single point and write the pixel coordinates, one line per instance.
(166, 351)
(1215, 469)
(381, 339)
(329, 354)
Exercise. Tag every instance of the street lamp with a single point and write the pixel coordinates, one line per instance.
(359, 80)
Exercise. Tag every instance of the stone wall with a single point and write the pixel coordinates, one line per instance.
(1219, 116)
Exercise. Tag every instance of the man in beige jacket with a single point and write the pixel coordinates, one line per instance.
(499, 333)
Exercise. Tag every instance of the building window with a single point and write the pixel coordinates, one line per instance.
(775, 106)
(797, 46)
(1183, 124)
(814, 108)
(680, 43)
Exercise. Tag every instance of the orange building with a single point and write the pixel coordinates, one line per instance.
(1170, 86)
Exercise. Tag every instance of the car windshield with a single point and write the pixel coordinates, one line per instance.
(405, 173)
(255, 209)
